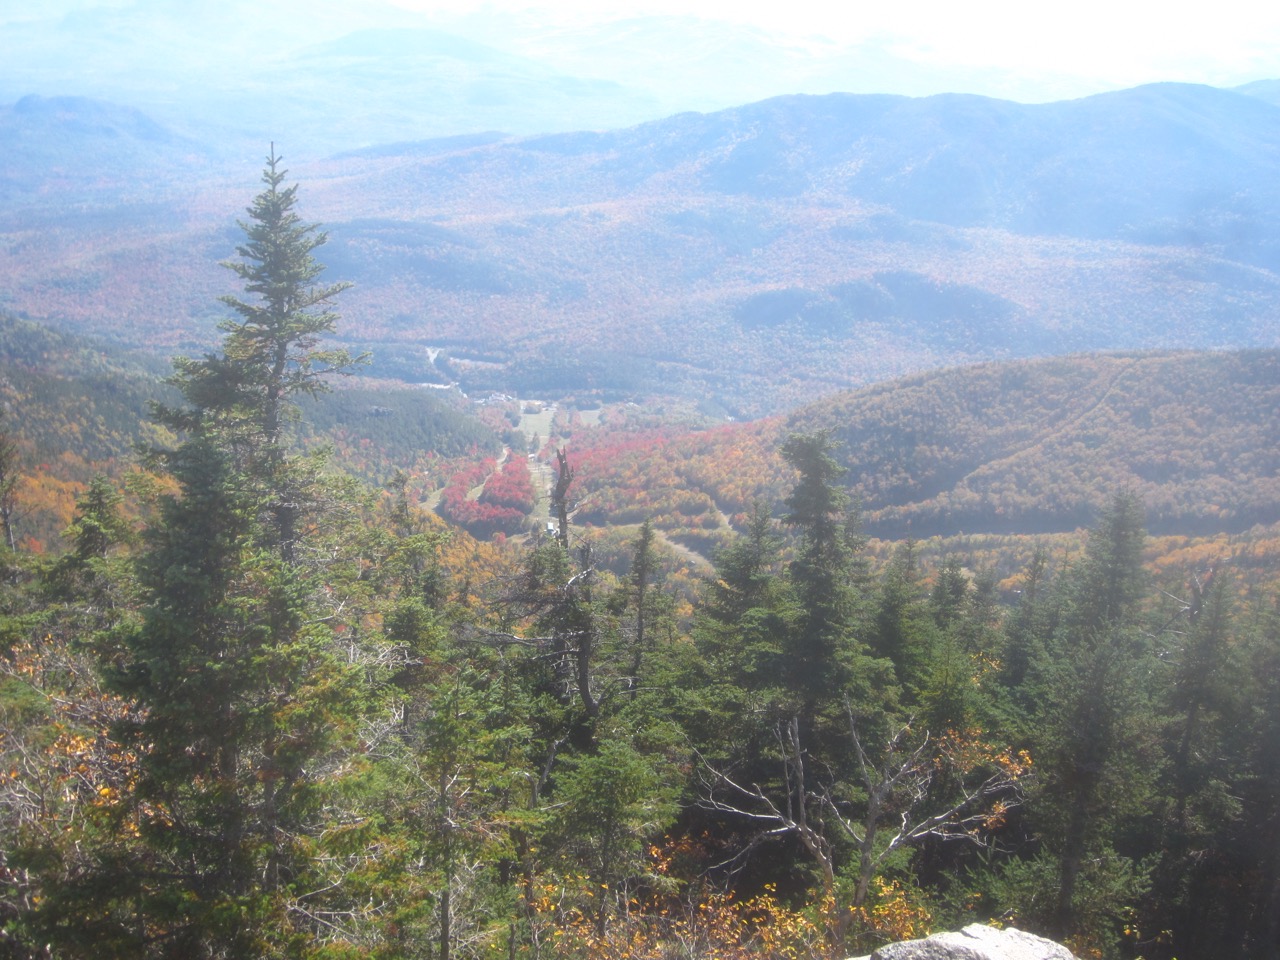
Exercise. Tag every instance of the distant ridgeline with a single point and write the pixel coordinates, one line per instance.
(1017, 447)
(756, 257)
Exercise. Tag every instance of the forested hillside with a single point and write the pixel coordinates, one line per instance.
(1018, 447)
(1040, 444)
(75, 407)
(71, 408)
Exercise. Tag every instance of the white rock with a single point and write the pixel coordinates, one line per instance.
(975, 942)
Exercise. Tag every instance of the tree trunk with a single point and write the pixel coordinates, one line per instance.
(1072, 859)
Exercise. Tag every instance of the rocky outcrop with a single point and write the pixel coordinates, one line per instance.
(975, 942)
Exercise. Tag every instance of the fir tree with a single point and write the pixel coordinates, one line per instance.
(1096, 723)
(10, 462)
(245, 700)
(271, 353)
(819, 653)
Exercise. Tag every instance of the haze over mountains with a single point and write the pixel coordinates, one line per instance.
(332, 74)
(755, 257)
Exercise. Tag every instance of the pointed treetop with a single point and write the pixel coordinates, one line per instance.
(271, 350)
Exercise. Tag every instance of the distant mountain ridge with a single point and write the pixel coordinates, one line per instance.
(1166, 163)
(321, 77)
(72, 150)
(756, 257)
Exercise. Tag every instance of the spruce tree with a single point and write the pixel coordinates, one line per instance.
(1096, 725)
(271, 353)
(642, 596)
(819, 654)
(10, 463)
(246, 704)
(746, 610)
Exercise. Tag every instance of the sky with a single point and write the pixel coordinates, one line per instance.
(1021, 49)
(1032, 51)
(547, 65)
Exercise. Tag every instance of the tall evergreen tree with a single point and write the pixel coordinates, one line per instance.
(1207, 698)
(746, 611)
(903, 631)
(746, 570)
(640, 582)
(819, 655)
(245, 700)
(9, 463)
(1096, 727)
(1026, 631)
(1261, 783)
(271, 353)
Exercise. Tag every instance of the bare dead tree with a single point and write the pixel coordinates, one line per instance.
(9, 464)
(560, 496)
(899, 804)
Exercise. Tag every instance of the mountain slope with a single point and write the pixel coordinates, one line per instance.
(64, 151)
(1015, 447)
(77, 406)
(1040, 445)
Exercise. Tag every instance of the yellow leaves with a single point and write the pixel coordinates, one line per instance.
(62, 752)
(702, 922)
(892, 915)
(995, 818)
(967, 750)
(72, 745)
(1016, 765)
(106, 796)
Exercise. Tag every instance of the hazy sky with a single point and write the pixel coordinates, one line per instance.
(590, 64)
(1033, 50)
(1020, 49)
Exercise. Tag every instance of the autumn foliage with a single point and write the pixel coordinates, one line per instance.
(502, 504)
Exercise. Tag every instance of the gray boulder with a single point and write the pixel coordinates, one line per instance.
(975, 942)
